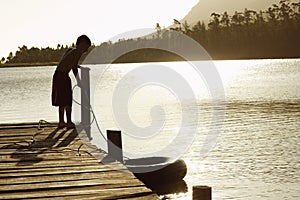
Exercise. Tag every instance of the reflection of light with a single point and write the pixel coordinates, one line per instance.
(228, 70)
(195, 167)
(180, 196)
(188, 71)
(231, 70)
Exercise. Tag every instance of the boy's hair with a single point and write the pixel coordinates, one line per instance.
(83, 38)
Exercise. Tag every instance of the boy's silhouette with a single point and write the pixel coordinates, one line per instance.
(61, 85)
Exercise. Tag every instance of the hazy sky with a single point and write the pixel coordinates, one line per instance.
(43, 23)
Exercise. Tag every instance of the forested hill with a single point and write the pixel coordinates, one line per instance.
(271, 33)
(204, 8)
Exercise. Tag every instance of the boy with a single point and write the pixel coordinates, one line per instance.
(61, 85)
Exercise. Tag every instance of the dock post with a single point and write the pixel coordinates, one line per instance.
(114, 144)
(85, 101)
(201, 192)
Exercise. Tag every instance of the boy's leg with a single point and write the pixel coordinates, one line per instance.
(61, 112)
(68, 113)
(70, 124)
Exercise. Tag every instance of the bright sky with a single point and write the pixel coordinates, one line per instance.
(43, 23)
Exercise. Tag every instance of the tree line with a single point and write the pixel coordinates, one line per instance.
(36, 55)
(272, 33)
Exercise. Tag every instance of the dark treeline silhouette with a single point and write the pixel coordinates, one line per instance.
(273, 33)
(34, 54)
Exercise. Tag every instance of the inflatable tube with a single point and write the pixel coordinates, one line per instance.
(155, 170)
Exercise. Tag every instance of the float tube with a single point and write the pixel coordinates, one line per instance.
(154, 170)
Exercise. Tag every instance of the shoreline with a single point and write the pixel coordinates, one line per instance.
(49, 64)
(46, 64)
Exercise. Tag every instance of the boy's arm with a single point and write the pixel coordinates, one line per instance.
(75, 68)
(75, 72)
(75, 65)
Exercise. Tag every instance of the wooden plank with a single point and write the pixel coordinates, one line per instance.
(8, 140)
(40, 163)
(66, 177)
(44, 152)
(41, 155)
(32, 132)
(54, 170)
(146, 196)
(61, 165)
(92, 191)
(10, 126)
(55, 184)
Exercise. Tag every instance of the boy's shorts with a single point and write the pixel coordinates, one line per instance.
(61, 89)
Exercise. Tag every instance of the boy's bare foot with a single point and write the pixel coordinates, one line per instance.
(70, 125)
(62, 125)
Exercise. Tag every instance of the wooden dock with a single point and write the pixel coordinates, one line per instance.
(54, 163)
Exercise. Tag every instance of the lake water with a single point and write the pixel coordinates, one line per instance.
(256, 153)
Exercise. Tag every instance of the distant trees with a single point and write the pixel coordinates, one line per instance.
(273, 33)
(36, 55)
(250, 34)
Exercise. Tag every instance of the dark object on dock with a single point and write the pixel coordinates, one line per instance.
(114, 145)
(201, 192)
(159, 174)
(153, 169)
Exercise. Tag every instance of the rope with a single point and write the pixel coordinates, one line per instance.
(29, 144)
(94, 117)
(40, 123)
(92, 112)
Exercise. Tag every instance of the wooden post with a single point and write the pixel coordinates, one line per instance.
(85, 101)
(114, 144)
(201, 192)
